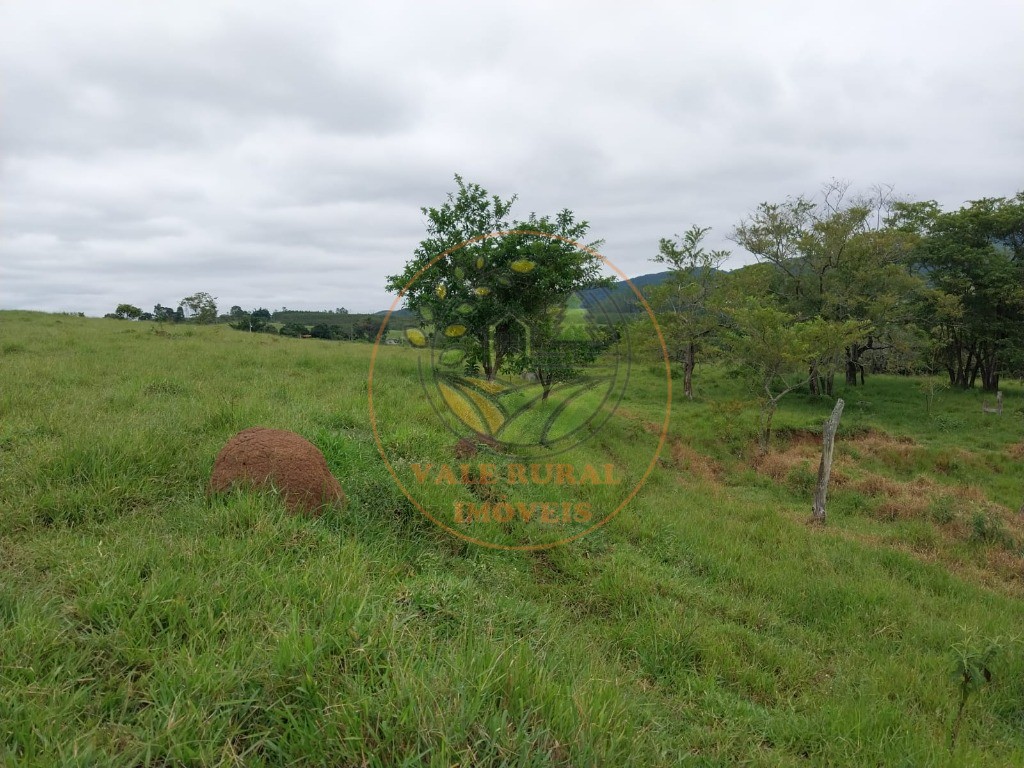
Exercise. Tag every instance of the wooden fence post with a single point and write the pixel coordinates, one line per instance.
(825, 468)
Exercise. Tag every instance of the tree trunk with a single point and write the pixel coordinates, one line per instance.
(990, 373)
(767, 414)
(688, 370)
(825, 468)
(972, 367)
(812, 379)
(853, 354)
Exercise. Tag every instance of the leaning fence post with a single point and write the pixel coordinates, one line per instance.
(825, 468)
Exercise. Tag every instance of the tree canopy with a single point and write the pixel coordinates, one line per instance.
(484, 280)
(202, 307)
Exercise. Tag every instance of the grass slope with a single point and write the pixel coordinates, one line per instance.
(708, 624)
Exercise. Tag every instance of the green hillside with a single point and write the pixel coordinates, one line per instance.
(142, 623)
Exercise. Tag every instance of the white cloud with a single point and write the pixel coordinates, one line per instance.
(278, 154)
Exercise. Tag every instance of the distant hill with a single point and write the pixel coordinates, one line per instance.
(620, 299)
(610, 303)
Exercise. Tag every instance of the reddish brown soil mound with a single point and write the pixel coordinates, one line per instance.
(273, 458)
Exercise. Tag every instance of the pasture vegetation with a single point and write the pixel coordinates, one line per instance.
(142, 623)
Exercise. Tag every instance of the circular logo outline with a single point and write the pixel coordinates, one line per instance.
(662, 437)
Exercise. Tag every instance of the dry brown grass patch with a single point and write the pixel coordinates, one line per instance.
(1008, 565)
(898, 450)
(902, 507)
(777, 466)
(685, 459)
(803, 437)
(971, 493)
(876, 485)
(838, 478)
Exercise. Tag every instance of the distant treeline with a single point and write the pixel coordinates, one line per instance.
(324, 324)
(398, 321)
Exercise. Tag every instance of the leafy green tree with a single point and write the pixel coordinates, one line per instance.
(973, 261)
(164, 314)
(685, 303)
(324, 331)
(128, 312)
(835, 258)
(202, 307)
(778, 353)
(365, 328)
(295, 330)
(561, 351)
(252, 324)
(490, 291)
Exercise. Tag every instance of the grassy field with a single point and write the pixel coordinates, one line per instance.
(142, 623)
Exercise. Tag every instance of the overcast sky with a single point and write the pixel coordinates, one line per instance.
(278, 154)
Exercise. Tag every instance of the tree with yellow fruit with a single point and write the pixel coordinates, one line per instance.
(482, 280)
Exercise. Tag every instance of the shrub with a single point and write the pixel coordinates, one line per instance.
(949, 423)
(988, 529)
(942, 510)
(324, 331)
(802, 478)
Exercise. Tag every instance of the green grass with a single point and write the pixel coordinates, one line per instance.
(142, 623)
